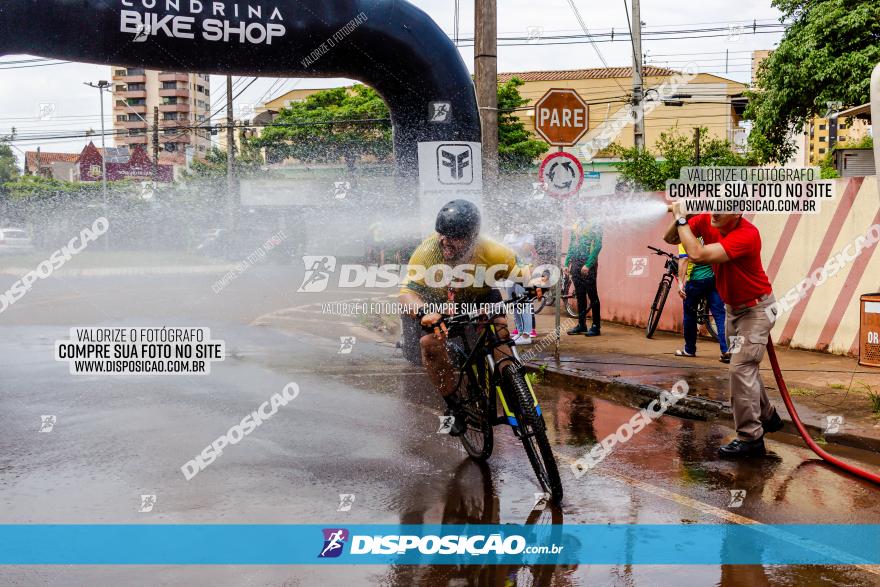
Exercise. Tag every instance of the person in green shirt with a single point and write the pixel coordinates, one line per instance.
(696, 281)
(582, 263)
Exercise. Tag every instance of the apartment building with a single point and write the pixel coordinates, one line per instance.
(183, 101)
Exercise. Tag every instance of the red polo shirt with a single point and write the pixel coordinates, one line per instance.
(742, 279)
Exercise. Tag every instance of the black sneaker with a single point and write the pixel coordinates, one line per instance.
(774, 424)
(594, 331)
(459, 425)
(743, 448)
(725, 358)
(578, 330)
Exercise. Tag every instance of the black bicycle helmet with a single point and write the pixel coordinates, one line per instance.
(458, 218)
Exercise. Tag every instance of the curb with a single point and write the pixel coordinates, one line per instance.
(638, 395)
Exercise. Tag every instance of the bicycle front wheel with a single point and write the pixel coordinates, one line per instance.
(657, 306)
(571, 304)
(707, 320)
(533, 433)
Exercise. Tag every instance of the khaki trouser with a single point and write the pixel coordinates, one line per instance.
(748, 397)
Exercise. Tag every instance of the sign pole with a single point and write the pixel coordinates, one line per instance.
(558, 251)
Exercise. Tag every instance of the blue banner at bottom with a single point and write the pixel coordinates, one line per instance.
(692, 544)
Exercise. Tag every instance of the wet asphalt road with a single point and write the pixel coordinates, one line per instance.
(364, 423)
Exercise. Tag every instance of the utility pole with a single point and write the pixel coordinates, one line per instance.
(230, 155)
(101, 86)
(697, 146)
(155, 143)
(638, 91)
(486, 79)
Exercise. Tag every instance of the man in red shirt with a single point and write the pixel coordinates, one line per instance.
(732, 245)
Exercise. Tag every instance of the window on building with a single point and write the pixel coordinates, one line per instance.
(137, 101)
(133, 132)
(169, 100)
(136, 71)
(170, 131)
(821, 151)
(821, 127)
(134, 118)
(119, 72)
(169, 116)
(171, 147)
(169, 85)
(122, 118)
(822, 139)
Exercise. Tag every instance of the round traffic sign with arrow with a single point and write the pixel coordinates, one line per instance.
(561, 174)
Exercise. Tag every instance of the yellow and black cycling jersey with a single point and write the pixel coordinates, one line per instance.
(427, 277)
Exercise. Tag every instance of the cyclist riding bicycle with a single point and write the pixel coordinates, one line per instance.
(457, 242)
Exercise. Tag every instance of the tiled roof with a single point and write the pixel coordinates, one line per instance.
(48, 158)
(575, 74)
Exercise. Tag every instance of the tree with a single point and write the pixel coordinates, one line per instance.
(8, 168)
(674, 151)
(352, 123)
(517, 150)
(334, 124)
(247, 160)
(826, 55)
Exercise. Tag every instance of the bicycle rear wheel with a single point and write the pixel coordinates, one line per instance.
(533, 433)
(657, 306)
(571, 304)
(478, 439)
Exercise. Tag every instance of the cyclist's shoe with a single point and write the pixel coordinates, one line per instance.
(725, 358)
(578, 330)
(459, 426)
(453, 408)
(593, 331)
(523, 339)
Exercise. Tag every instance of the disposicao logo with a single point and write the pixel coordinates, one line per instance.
(334, 540)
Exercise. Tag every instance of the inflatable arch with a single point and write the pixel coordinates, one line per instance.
(389, 45)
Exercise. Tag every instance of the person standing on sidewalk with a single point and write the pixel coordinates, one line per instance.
(696, 282)
(582, 263)
(732, 245)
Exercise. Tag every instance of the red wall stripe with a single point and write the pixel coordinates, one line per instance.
(853, 280)
(782, 245)
(831, 235)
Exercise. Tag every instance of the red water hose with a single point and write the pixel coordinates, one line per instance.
(786, 397)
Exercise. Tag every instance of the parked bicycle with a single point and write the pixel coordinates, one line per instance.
(482, 382)
(569, 299)
(669, 276)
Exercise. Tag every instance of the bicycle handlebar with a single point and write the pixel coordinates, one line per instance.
(445, 322)
(661, 252)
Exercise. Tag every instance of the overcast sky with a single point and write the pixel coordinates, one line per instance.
(22, 91)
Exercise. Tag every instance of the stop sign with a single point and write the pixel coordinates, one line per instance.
(561, 117)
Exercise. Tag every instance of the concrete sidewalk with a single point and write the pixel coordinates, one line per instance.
(625, 364)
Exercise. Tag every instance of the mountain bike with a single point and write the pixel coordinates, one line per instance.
(670, 275)
(569, 299)
(483, 383)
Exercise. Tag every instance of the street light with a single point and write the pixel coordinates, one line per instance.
(101, 86)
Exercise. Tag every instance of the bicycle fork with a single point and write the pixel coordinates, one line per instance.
(509, 417)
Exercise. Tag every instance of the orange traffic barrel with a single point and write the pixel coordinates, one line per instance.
(869, 333)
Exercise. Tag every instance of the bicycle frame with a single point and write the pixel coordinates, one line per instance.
(481, 362)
